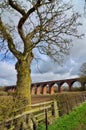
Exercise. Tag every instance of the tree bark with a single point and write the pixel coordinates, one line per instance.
(23, 80)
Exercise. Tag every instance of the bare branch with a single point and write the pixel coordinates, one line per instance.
(24, 18)
(9, 39)
(16, 7)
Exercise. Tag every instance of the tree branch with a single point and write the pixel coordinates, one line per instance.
(31, 35)
(23, 19)
(16, 7)
(9, 39)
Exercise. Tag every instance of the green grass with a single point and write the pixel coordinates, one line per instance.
(76, 120)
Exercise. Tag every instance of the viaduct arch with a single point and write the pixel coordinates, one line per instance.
(48, 87)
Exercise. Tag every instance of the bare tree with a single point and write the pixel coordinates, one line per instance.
(83, 69)
(82, 73)
(85, 8)
(48, 25)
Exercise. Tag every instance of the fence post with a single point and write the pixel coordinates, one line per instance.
(56, 113)
(46, 119)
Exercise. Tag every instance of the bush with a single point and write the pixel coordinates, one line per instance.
(3, 93)
(6, 106)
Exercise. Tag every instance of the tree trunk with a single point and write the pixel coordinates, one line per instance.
(23, 81)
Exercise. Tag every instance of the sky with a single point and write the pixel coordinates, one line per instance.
(46, 69)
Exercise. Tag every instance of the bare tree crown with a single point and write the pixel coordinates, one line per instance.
(47, 25)
(83, 70)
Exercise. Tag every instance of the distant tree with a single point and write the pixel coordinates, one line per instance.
(83, 69)
(85, 8)
(83, 75)
(28, 24)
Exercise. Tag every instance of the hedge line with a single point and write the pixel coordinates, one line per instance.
(68, 101)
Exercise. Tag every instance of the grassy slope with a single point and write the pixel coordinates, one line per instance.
(76, 120)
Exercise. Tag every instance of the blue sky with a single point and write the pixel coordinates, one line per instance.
(45, 69)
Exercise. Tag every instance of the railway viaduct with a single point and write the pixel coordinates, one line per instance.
(49, 86)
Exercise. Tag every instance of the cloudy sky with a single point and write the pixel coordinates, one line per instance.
(45, 69)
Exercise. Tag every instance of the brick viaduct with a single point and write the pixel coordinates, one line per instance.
(49, 86)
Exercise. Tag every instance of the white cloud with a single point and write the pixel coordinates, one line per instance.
(51, 76)
(7, 74)
(3, 82)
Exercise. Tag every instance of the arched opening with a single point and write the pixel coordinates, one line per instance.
(85, 86)
(47, 88)
(44, 89)
(33, 90)
(76, 86)
(55, 88)
(64, 87)
(39, 90)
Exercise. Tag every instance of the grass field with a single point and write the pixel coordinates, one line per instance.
(76, 120)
